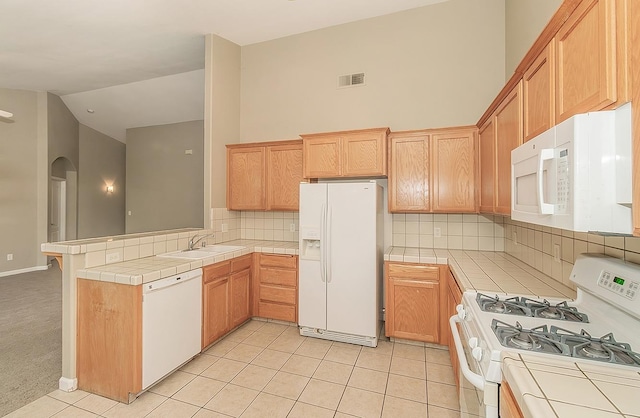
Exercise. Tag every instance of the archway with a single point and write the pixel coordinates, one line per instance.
(63, 201)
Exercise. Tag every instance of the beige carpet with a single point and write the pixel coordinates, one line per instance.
(30, 336)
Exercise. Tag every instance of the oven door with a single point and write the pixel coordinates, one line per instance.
(472, 383)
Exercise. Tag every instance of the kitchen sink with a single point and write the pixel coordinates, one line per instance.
(202, 252)
(219, 249)
(191, 255)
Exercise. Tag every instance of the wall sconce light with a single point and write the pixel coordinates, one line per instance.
(110, 189)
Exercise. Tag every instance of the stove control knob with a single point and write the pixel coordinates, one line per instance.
(473, 342)
(461, 312)
(477, 353)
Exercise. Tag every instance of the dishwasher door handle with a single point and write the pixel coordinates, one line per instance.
(171, 281)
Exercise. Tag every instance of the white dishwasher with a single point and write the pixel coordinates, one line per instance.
(171, 324)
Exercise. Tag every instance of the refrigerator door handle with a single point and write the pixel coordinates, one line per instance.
(323, 233)
(328, 249)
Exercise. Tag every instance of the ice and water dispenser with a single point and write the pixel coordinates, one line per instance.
(310, 248)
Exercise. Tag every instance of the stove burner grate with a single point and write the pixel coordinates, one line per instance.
(523, 306)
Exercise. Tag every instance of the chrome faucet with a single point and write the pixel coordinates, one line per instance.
(193, 241)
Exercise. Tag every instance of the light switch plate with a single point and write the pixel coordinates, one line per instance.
(113, 257)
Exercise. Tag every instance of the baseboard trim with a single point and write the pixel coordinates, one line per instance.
(67, 385)
(27, 270)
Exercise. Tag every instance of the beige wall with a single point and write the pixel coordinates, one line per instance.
(434, 66)
(524, 21)
(222, 103)
(102, 162)
(164, 185)
(19, 181)
(62, 132)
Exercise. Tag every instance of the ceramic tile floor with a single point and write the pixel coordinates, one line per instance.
(266, 369)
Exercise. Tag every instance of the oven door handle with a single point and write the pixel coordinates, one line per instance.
(473, 378)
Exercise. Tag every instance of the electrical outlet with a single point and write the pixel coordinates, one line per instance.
(437, 232)
(225, 227)
(9, 257)
(556, 252)
(515, 238)
(292, 227)
(113, 257)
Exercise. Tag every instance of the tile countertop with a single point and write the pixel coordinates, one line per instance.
(547, 387)
(144, 270)
(486, 271)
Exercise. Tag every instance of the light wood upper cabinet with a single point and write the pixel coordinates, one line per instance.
(246, 178)
(586, 59)
(508, 125)
(409, 172)
(487, 143)
(361, 153)
(433, 170)
(499, 135)
(284, 166)
(538, 94)
(264, 176)
(454, 170)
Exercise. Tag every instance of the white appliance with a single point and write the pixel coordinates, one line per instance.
(607, 299)
(576, 175)
(171, 324)
(340, 261)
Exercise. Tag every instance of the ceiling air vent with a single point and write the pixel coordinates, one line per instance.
(350, 80)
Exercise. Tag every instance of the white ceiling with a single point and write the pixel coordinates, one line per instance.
(72, 46)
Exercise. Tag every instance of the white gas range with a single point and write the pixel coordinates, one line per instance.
(602, 324)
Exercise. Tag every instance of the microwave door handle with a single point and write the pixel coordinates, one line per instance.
(545, 154)
(473, 378)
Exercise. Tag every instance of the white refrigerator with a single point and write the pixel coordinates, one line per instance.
(340, 262)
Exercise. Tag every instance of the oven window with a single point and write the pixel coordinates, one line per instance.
(471, 398)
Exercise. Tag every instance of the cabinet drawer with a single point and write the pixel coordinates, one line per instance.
(216, 270)
(279, 277)
(278, 311)
(277, 294)
(241, 263)
(413, 271)
(282, 261)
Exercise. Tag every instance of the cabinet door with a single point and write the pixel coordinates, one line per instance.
(486, 140)
(364, 154)
(508, 405)
(508, 120)
(538, 94)
(284, 164)
(409, 173)
(454, 171)
(413, 310)
(322, 156)
(246, 178)
(215, 321)
(240, 309)
(586, 59)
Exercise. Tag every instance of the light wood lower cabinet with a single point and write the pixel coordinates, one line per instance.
(454, 298)
(414, 294)
(109, 339)
(226, 297)
(276, 287)
(509, 407)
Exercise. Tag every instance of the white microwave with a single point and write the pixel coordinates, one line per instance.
(576, 175)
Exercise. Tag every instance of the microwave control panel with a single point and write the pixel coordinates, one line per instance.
(563, 181)
(619, 285)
